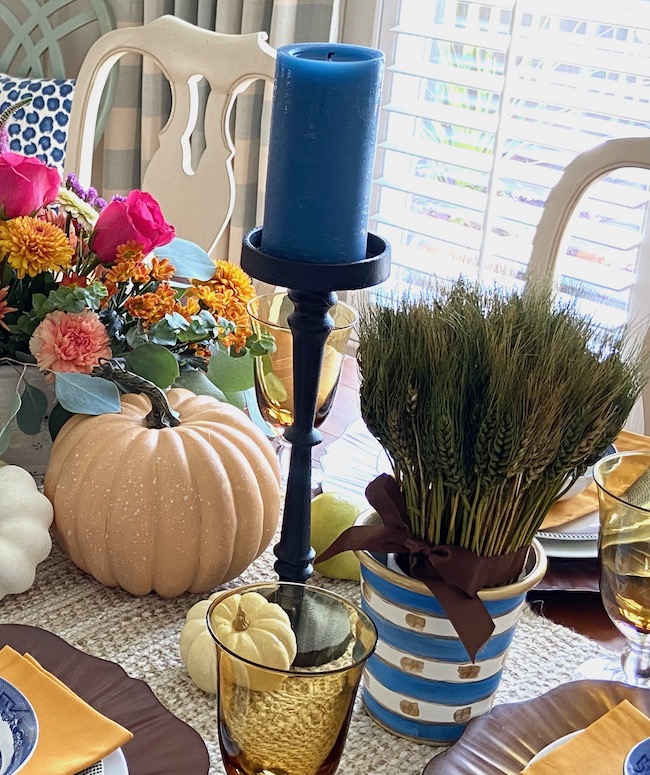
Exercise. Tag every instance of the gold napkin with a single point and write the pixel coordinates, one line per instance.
(586, 501)
(71, 735)
(600, 749)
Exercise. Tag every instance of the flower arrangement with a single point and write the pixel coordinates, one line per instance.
(82, 281)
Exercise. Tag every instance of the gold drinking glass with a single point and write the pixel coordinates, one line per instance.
(623, 481)
(295, 721)
(274, 372)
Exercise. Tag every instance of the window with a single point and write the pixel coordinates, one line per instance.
(485, 103)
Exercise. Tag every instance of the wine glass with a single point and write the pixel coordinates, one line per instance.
(274, 371)
(623, 481)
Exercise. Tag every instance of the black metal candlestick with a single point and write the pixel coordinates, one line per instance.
(311, 292)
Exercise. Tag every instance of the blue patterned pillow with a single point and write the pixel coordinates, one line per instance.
(40, 128)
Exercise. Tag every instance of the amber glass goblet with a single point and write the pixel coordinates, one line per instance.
(623, 481)
(274, 372)
(295, 721)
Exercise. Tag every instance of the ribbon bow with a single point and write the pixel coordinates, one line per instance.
(453, 574)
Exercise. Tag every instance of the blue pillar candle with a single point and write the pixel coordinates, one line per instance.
(321, 152)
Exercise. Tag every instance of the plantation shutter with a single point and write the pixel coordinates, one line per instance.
(485, 103)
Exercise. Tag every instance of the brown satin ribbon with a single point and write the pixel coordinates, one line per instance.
(454, 575)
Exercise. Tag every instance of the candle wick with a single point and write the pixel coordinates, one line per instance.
(330, 56)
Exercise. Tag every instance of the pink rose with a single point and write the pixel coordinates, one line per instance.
(137, 218)
(70, 342)
(26, 184)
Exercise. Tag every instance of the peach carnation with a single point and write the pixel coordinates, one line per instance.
(70, 341)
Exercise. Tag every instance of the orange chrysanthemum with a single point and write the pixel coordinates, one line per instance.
(5, 309)
(228, 275)
(200, 351)
(224, 303)
(74, 279)
(33, 246)
(128, 269)
(111, 290)
(162, 269)
(226, 296)
(152, 307)
(129, 251)
(187, 307)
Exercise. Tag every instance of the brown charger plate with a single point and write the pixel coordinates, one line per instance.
(507, 738)
(162, 744)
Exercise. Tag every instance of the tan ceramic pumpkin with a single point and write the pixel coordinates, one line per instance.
(168, 509)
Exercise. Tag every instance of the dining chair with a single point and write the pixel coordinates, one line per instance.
(39, 43)
(549, 240)
(198, 198)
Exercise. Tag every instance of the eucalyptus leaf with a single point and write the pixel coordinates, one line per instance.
(5, 422)
(188, 259)
(33, 409)
(83, 394)
(197, 381)
(38, 301)
(57, 419)
(162, 333)
(153, 362)
(237, 398)
(256, 416)
(231, 374)
(176, 321)
(135, 337)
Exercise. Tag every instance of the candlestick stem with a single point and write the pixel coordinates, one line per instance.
(310, 324)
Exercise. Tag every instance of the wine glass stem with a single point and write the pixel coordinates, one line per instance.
(635, 659)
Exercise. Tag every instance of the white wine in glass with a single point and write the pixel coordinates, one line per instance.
(274, 371)
(623, 481)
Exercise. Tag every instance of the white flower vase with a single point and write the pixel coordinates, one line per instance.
(31, 452)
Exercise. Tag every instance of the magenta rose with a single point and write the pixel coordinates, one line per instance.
(26, 184)
(138, 218)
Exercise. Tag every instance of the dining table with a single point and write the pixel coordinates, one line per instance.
(120, 652)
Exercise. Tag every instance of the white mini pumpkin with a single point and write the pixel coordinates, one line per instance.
(197, 647)
(250, 625)
(258, 631)
(25, 518)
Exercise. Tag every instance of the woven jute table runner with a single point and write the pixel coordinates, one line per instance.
(141, 634)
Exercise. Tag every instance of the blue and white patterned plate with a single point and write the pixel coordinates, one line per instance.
(18, 729)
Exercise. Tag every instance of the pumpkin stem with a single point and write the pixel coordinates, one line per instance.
(161, 414)
(241, 623)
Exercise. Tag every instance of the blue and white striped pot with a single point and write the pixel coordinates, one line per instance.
(420, 682)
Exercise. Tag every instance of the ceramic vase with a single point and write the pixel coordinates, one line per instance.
(420, 682)
(29, 452)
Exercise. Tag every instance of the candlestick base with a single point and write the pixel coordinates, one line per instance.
(310, 287)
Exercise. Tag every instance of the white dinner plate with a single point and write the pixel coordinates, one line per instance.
(552, 746)
(577, 539)
(113, 764)
(581, 529)
(576, 550)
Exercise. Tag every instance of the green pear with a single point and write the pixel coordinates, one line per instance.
(331, 514)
